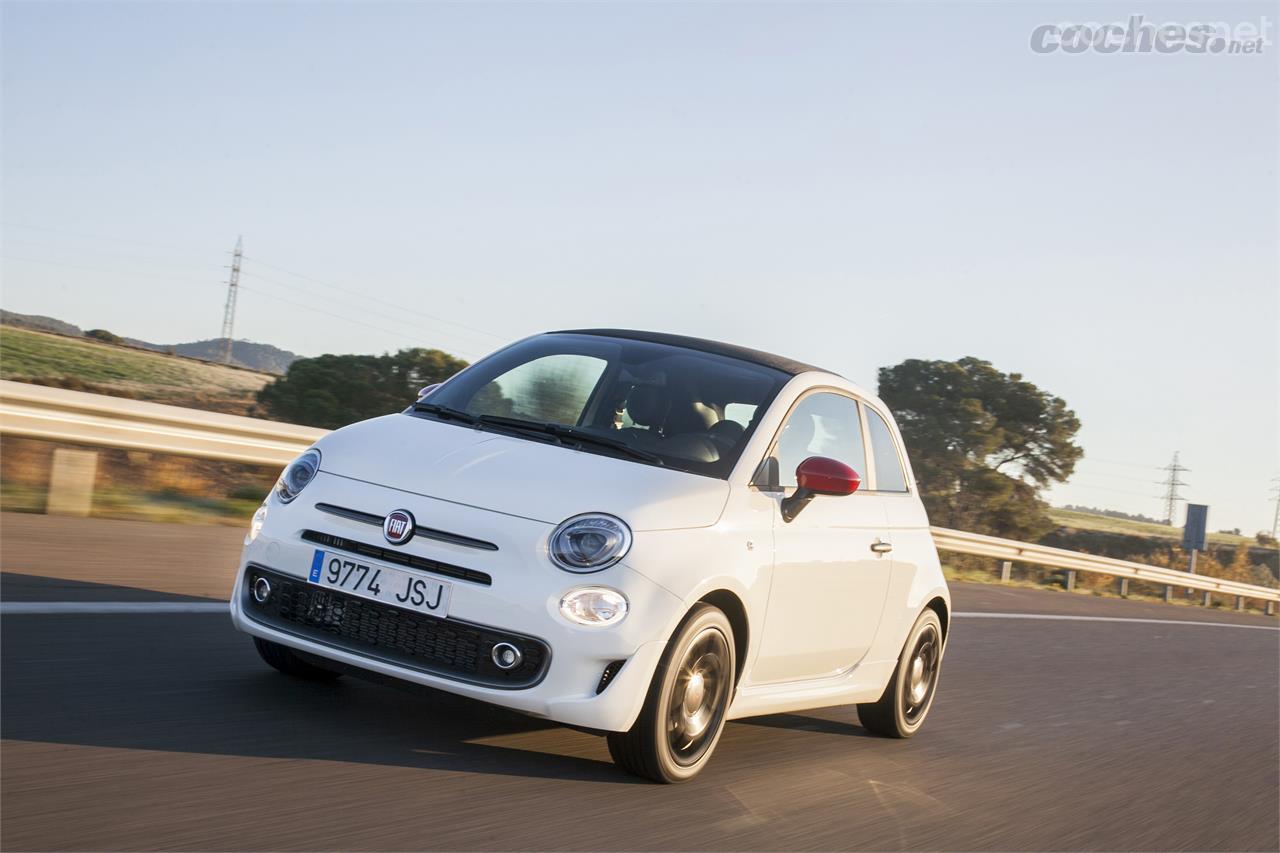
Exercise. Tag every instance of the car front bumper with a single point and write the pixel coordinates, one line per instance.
(521, 604)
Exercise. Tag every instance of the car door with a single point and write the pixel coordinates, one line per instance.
(908, 532)
(830, 570)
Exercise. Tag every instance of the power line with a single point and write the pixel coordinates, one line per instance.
(345, 318)
(87, 236)
(1118, 462)
(363, 309)
(1110, 476)
(165, 276)
(363, 296)
(468, 353)
(1171, 493)
(366, 296)
(158, 260)
(1275, 521)
(1090, 486)
(228, 316)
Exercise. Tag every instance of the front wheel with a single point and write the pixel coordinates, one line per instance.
(684, 713)
(901, 710)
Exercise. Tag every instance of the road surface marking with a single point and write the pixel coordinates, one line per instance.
(1111, 619)
(18, 608)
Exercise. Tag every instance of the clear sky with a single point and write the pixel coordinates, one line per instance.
(850, 184)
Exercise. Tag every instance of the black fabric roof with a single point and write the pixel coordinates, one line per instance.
(777, 362)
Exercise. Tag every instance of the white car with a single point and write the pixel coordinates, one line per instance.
(642, 535)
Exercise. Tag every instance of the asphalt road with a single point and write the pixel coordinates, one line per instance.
(151, 731)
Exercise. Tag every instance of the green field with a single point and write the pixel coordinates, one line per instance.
(87, 365)
(1107, 524)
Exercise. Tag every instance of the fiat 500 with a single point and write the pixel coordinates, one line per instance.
(641, 535)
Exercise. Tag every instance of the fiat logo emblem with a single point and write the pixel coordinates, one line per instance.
(397, 527)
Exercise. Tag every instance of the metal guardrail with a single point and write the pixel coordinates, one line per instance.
(55, 414)
(959, 542)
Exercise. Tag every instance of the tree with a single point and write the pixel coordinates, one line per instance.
(983, 443)
(335, 390)
(104, 336)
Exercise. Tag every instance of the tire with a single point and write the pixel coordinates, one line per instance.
(684, 713)
(286, 660)
(902, 708)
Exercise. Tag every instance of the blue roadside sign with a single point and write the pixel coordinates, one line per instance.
(1193, 533)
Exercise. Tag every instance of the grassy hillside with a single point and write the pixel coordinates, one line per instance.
(263, 357)
(87, 365)
(1106, 524)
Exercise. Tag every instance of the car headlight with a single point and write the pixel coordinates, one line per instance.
(300, 472)
(255, 525)
(589, 543)
(594, 605)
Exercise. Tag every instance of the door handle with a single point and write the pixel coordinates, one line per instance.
(881, 547)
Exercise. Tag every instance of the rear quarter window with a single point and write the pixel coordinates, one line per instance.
(740, 413)
(889, 474)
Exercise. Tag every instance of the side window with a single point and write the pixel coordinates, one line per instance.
(821, 425)
(889, 474)
(554, 388)
(739, 413)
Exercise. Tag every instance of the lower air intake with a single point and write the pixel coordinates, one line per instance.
(447, 647)
(606, 677)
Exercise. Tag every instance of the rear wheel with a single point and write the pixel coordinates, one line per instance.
(901, 710)
(289, 662)
(684, 713)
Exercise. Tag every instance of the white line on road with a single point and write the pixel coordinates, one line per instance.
(1112, 619)
(18, 608)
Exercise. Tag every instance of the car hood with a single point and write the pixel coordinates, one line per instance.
(517, 476)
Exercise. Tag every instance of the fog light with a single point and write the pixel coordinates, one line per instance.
(506, 656)
(593, 605)
(261, 590)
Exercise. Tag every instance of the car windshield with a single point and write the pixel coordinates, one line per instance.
(646, 402)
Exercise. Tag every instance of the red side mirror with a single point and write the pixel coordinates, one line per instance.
(824, 476)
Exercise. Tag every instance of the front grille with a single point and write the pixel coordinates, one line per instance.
(377, 552)
(425, 532)
(446, 647)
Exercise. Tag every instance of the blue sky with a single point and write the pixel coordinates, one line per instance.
(851, 184)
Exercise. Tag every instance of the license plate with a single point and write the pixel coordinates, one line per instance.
(383, 584)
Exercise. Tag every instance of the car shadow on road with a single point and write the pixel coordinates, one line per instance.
(798, 722)
(191, 683)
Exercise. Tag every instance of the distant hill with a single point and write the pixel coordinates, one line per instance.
(1090, 520)
(1111, 513)
(87, 364)
(264, 357)
(39, 323)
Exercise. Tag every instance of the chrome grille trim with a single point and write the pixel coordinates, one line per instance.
(418, 530)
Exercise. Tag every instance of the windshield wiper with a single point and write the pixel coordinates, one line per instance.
(559, 433)
(445, 412)
(573, 434)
